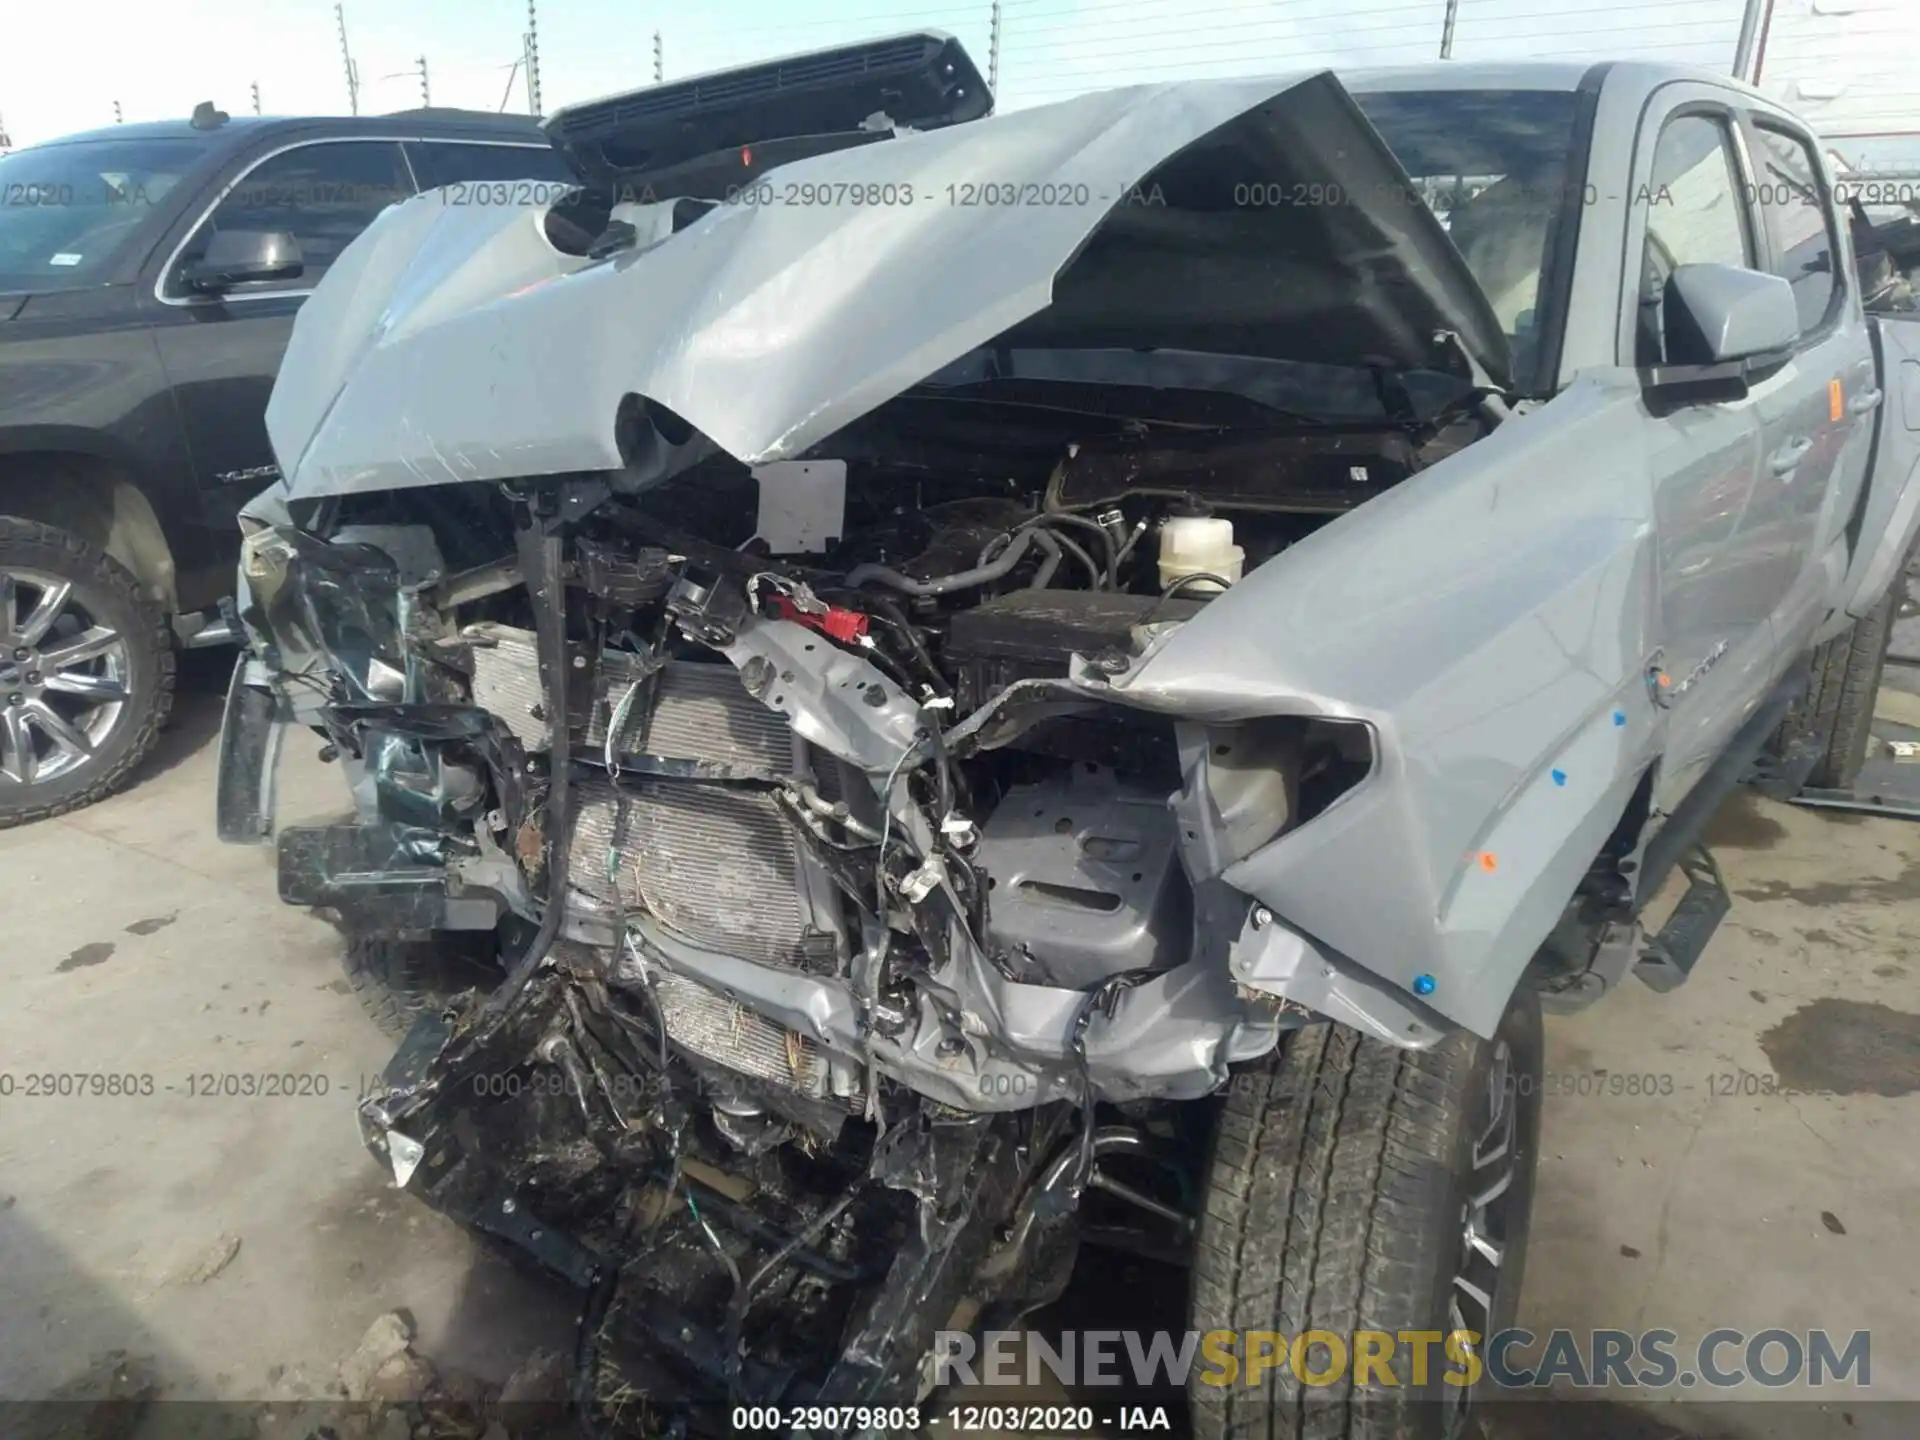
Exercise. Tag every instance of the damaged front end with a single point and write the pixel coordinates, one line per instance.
(863, 902)
(850, 935)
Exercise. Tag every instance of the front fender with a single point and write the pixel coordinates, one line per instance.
(1490, 621)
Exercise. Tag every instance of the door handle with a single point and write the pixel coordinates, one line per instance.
(1865, 401)
(1788, 457)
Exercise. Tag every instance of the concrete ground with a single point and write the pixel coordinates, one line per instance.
(237, 1246)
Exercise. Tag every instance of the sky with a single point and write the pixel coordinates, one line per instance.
(63, 69)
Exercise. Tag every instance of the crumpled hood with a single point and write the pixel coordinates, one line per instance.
(453, 343)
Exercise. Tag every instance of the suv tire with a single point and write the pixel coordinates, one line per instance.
(398, 981)
(1346, 1182)
(86, 672)
(1836, 712)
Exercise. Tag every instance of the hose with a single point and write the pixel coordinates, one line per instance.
(897, 618)
(1198, 577)
(1061, 517)
(1073, 548)
(982, 574)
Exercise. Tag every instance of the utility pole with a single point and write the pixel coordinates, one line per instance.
(532, 46)
(426, 96)
(1446, 29)
(346, 58)
(659, 60)
(993, 48)
(256, 97)
(1751, 48)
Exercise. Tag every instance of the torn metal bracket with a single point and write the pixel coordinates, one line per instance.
(381, 878)
(1272, 958)
(834, 700)
(505, 1215)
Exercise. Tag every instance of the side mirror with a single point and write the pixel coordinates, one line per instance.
(1719, 314)
(234, 257)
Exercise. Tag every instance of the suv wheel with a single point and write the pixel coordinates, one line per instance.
(1837, 711)
(86, 672)
(1352, 1187)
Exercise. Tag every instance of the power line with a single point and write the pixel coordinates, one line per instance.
(1264, 25)
(1293, 27)
(896, 21)
(1161, 51)
(1134, 7)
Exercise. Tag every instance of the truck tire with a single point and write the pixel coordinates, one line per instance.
(1836, 713)
(86, 672)
(398, 981)
(1355, 1186)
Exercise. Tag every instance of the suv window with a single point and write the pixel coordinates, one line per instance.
(1694, 217)
(68, 209)
(1791, 197)
(445, 162)
(324, 193)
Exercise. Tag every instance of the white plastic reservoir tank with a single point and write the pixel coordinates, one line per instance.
(1193, 545)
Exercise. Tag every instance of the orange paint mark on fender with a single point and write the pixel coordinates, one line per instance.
(1836, 401)
(1489, 861)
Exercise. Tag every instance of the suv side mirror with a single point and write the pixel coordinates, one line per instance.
(1717, 314)
(234, 257)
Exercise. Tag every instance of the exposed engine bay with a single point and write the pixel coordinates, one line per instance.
(851, 941)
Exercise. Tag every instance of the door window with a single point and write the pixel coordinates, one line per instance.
(443, 162)
(324, 194)
(1694, 217)
(1788, 185)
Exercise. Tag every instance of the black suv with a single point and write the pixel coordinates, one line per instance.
(149, 278)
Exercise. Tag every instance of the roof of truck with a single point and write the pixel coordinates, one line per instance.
(239, 128)
(1525, 75)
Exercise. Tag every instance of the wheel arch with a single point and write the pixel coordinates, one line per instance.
(96, 497)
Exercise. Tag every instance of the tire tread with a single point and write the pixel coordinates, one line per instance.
(65, 553)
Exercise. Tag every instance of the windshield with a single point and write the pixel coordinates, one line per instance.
(1493, 165)
(66, 210)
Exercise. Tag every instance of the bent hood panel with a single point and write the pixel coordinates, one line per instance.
(453, 344)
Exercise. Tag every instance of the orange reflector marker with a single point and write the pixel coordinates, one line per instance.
(1489, 861)
(1836, 401)
(1665, 680)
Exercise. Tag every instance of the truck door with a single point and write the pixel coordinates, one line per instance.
(221, 352)
(1817, 413)
(1715, 651)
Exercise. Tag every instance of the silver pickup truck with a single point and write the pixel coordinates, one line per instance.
(926, 691)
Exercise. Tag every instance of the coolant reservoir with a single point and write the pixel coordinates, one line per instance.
(1192, 545)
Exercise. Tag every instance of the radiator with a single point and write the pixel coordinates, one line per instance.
(717, 865)
(745, 1041)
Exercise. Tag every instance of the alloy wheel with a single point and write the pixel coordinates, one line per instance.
(1486, 1223)
(65, 679)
